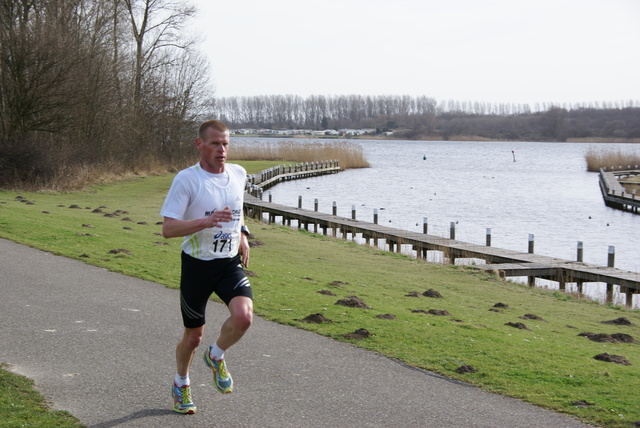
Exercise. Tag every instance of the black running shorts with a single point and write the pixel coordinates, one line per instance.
(201, 278)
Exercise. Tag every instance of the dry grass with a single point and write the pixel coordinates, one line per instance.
(349, 155)
(603, 140)
(68, 176)
(608, 158)
(75, 178)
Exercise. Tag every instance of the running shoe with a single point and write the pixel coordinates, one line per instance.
(221, 377)
(182, 399)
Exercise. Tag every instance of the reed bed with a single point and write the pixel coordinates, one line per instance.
(612, 158)
(349, 155)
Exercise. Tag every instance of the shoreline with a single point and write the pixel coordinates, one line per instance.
(453, 139)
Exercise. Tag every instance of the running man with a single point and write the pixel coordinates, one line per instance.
(204, 205)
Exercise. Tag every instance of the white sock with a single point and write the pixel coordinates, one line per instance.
(215, 353)
(182, 380)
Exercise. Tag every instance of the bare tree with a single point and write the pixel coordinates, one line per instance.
(35, 77)
(155, 25)
(553, 123)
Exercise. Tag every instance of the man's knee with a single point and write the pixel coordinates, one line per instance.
(242, 320)
(241, 309)
(192, 337)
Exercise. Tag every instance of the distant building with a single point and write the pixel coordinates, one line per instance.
(315, 133)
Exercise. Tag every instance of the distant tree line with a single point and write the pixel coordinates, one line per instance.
(113, 86)
(109, 84)
(420, 117)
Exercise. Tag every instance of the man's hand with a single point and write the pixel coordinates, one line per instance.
(220, 216)
(172, 228)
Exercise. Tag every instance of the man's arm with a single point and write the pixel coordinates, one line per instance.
(244, 244)
(173, 228)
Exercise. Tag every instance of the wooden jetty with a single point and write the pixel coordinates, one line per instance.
(272, 176)
(506, 263)
(614, 193)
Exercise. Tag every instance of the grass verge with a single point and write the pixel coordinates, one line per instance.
(300, 279)
(21, 406)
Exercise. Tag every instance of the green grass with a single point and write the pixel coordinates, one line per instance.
(548, 365)
(21, 406)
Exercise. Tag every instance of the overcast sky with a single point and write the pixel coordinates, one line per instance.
(516, 51)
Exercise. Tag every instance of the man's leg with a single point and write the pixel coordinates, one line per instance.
(187, 347)
(181, 389)
(241, 309)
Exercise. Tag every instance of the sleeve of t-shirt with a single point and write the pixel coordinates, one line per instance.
(178, 198)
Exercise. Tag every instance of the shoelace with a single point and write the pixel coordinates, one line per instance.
(184, 394)
(222, 369)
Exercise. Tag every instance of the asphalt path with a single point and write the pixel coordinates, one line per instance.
(100, 345)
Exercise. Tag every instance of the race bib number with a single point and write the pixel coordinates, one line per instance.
(222, 242)
(217, 244)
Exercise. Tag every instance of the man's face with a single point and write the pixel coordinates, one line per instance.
(213, 150)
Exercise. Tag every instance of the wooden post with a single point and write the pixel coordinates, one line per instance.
(612, 256)
(375, 221)
(353, 217)
(270, 196)
(532, 279)
(335, 212)
(628, 294)
(315, 208)
(425, 230)
(488, 238)
(452, 230)
(300, 201)
(421, 252)
(579, 257)
(610, 263)
(580, 252)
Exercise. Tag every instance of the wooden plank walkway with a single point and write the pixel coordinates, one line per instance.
(507, 263)
(272, 176)
(614, 194)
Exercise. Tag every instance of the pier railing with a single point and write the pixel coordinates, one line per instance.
(506, 263)
(263, 180)
(614, 193)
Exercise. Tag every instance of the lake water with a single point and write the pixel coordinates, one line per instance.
(546, 192)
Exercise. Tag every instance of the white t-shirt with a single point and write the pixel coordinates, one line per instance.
(196, 193)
